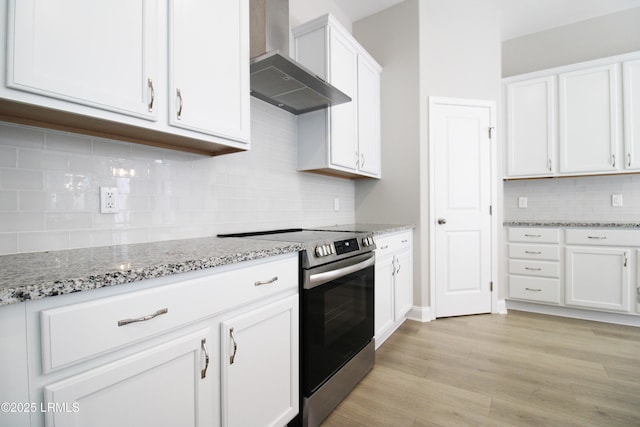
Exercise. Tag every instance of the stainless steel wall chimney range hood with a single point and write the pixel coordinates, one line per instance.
(276, 78)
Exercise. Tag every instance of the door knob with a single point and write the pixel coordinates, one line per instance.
(442, 221)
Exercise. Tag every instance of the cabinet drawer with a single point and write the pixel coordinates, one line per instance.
(602, 237)
(389, 243)
(547, 252)
(80, 331)
(534, 268)
(534, 289)
(534, 235)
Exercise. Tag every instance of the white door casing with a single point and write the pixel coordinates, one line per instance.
(460, 199)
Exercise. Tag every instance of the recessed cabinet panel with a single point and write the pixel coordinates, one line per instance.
(597, 278)
(369, 117)
(531, 127)
(589, 120)
(67, 49)
(631, 91)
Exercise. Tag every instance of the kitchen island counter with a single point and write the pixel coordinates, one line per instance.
(32, 276)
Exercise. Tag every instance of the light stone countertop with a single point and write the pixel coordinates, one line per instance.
(39, 275)
(32, 276)
(576, 224)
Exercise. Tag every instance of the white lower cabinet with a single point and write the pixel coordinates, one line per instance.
(259, 359)
(393, 283)
(164, 386)
(157, 356)
(597, 278)
(588, 268)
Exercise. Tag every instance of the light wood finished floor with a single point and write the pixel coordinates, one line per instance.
(520, 369)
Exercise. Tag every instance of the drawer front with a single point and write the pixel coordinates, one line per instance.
(546, 252)
(390, 243)
(534, 268)
(535, 289)
(534, 235)
(80, 331)
(602, 237)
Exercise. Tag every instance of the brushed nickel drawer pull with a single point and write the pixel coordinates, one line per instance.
(597, 237)
(203, 343)
(533, 289)
(532, 269)
(533, 235)
(266, 282)
(179, 95)
(143, 318)
(533, 252)
(626, 259)
(235, 347)
(153, 94)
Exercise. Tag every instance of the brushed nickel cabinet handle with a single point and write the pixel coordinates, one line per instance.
(179, 95)
(597, 237)
(533, 289)
(533, 252)
(613, 160)
(549, 164)
(533, 269)
(533, 235)
(153, 94)
(629, 159)
(626, 259)
(143, 318)
(203, 343)
(235, 347)
(266, 282)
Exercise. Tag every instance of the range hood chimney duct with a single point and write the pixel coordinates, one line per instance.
(276, 78)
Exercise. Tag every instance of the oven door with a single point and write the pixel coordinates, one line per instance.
(337, 316)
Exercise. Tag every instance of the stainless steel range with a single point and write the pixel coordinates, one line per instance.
(336, 310)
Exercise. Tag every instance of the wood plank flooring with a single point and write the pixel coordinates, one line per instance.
(519, 369)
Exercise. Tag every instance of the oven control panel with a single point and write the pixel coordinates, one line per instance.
(346, 246)
(324, 250)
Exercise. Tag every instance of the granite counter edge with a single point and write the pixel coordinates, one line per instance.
(568, 224)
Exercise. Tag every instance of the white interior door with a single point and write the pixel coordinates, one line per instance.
(461, 199)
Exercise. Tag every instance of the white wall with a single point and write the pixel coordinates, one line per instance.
(49, 186)
(591, 39)
(302, 11)
(427, 48)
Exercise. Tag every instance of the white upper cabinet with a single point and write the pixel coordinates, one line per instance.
(168, 73)
(66, 49)
(631, 91)
(209, 77)
(343, 140)
(589, 120)
(531, 127)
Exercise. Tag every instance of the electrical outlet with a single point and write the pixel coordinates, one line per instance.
(108, 200)
(616, 200)
(522, 201)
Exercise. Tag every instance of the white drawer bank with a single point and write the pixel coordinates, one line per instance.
(156, 355)
(583, 272)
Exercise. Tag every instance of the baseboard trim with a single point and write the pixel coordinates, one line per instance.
(575, 313)
(501, 307)
(420, 314)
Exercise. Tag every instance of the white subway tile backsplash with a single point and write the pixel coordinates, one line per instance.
(49, 188)
(573, 199)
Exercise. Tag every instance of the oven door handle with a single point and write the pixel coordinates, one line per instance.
(320, 278)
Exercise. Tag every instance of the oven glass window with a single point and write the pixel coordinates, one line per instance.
(337, 323)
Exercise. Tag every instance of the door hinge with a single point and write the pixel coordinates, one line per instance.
(490, 286)
(490, 131)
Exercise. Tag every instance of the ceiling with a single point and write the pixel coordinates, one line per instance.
(517, 17)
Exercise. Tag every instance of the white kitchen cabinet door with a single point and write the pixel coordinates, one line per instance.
(597, 278)
(208, 63)
(589, 120)
(384, 304)
(631, 94)
(369, 161)
(259, 357)
(403, 284)
(531, 127)
(160, 387)
(100, 53)
(343, 72)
